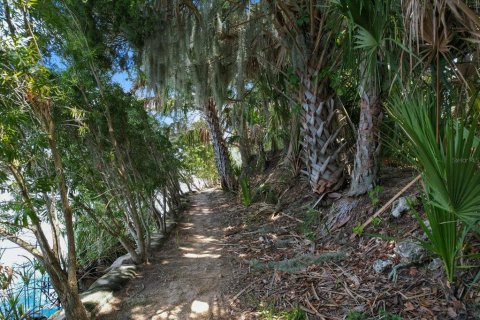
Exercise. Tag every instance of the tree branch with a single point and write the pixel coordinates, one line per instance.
(8, 17)
(22, 243)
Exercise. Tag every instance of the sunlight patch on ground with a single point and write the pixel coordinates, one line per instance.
(169, 314)
(186, 249)
(204, 211)
(199, 308)
(138, 313)
(203, 239)
(111, 307)
(201, 255)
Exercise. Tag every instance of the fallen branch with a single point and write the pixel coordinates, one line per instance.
(312, 310)
(290, 217)
(315, 295)
(232, 301)
(386, 205)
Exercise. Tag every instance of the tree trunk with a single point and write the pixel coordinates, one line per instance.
(366, 163)
(134, 213)
(320, 134)
(257, 140)
(244, 147)
(8, 18)
(222, 157)
(73, 306)
(69, 298)
(293, 150)
(64, 282)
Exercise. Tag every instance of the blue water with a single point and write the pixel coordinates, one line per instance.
(35, 297)
(49, 312)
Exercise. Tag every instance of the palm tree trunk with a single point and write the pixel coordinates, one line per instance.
(222, 157)
(366, 162)
(320, 134)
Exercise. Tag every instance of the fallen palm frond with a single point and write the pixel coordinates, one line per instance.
(298, 263)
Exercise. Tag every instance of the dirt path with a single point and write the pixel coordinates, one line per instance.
(185, 279)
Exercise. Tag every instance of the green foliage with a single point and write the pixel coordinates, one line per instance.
(94, 244)
(303, 21)
(450, 167)
(358, 229)
(69, 134)
(355, 315)
(195, 153)
(310, 217)
(450, 173)
(294, 80)
(12, 300)
(269, 313)
(245, 191)
(374, 193)
(368, 23)
(265, 193)
(12, 309)
(376, 221)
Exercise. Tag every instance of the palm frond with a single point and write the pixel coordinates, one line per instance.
(451, 168)
(365, 40)
(450, 171)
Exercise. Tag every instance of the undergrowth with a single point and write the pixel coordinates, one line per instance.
(355, 315)
(307, 226)
(270, 313)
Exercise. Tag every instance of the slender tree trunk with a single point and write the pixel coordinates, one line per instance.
(244, 146)
(68, 295)
(366, 165)
(320, 134)
(71, 300)
(120, 161)
(262, 157)
(222, 157)
(8, 18)
(245, 156)
(46, 255)
(71, 303)
(54, 223)
(158, 215)
(130, 200)
(257, 134)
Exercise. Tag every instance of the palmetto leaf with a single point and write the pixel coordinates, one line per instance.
(462, 161)
(365, 40)
(450, 169)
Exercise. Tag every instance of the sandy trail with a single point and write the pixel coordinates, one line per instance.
(184, 279)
